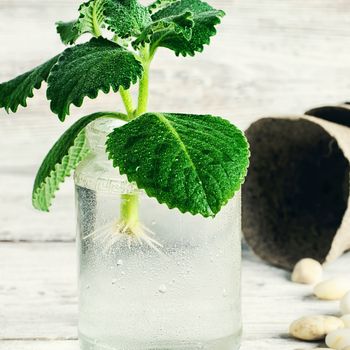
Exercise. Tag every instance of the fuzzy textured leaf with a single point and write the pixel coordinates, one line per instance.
(205, 19)
(91, 16)
(16, 92)
(85, 69)
(191, 162)
(68, 32)
(90, 21)
(174, 25)
(63, 157)
(126, 17)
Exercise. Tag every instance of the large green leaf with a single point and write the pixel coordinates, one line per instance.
(192, 162)
(16, 92)
(205, 20)
(63, 157)
(126, 17)
(86, 69)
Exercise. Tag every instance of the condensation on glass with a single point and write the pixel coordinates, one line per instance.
(181, 292)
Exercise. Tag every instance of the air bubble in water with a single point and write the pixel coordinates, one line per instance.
(114, 281)
(120, 262)
(224, 293)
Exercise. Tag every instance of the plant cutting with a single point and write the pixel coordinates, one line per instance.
(158, 217)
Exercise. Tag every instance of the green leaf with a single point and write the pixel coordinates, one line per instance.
(91, 17)
(63, 157)
(126, 17)
(85, 69)
(90, 21)
(16, 92)
(205, 20)
(68, 32)
(174, 25)
(191, 162)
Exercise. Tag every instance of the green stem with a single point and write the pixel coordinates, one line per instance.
(127, 100)
(144, 83)
(129, 212)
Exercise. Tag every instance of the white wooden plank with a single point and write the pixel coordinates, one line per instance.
(39, 345)
(38, 299)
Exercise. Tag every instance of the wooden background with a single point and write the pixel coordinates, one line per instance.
(271, 57)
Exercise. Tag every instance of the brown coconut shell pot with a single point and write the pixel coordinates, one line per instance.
(296, 201)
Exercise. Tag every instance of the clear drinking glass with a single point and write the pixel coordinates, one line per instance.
(177, 287)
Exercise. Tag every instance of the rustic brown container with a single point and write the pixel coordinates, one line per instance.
(296, 197)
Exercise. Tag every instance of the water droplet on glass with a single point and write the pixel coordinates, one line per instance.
(137, 168)
(224, 293)
(123, 273)
(162, 289)
(114, 281)
(120, 262)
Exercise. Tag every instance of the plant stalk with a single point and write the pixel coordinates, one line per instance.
(127, 100)
(129, 212)
(143, 92)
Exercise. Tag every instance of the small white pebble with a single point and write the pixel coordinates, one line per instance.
(307, 271)
(162, 289)
(332, 289)
(314, 327)
(345, 304)
(338, 339)
(346, 320)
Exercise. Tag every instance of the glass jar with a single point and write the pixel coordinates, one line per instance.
(175, 285)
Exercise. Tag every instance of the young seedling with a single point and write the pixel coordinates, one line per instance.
(194, 163)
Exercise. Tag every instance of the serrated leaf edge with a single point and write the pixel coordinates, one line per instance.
(93, 94)
(76, 153)
(213, 32)
(23, 102)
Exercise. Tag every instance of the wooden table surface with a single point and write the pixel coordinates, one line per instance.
(274, 57)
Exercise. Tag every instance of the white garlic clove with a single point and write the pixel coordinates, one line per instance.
(346, 320)
(345, 304)
(307, 271)
(332, 289)
(314, 327)
(338, 339)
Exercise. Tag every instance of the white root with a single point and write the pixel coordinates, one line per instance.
(109, 234)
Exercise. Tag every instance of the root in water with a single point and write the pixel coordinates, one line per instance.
(134, 233)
